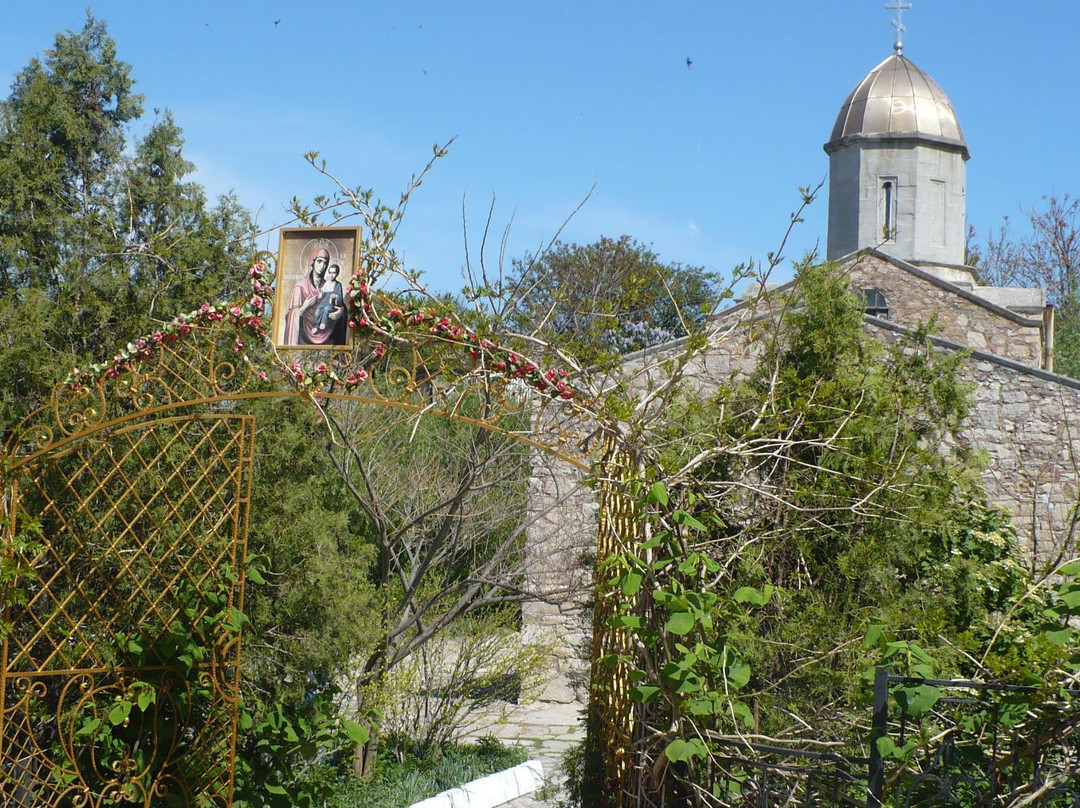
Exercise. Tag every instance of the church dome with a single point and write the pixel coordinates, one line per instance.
(897, 99)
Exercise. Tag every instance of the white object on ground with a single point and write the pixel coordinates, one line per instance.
(487, 792)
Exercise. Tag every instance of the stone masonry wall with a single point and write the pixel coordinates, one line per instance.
(560, 549)
(1028, 424)
(914, 299)
(1025, 420)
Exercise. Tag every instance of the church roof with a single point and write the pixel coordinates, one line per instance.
(897, 99)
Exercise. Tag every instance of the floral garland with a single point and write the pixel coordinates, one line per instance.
(248, 318)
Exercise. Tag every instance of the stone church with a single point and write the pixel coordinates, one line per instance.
(897, 227)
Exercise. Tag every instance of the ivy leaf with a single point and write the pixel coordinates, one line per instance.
(685, 750)
(738, 674)
(357, 733)
(742, 711)
(680, 623)
(631, 583)
(657, 494)
(1070, 595)
(702, 707)
(1061, 636)
(119, 713)
(886, 746)
(688, 521)
(644, 693)
(917, 699)
(748, 594)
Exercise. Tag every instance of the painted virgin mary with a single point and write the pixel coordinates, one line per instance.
(301, 321)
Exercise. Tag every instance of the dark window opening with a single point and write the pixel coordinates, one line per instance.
(875, 304)
(889, 203)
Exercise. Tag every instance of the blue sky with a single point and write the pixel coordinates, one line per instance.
(546, 99)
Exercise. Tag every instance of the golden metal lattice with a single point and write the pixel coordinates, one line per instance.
(611, 652)
(119, 675)
(125, 506)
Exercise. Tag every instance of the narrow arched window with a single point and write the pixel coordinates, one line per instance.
(888, 209)
(875, 303)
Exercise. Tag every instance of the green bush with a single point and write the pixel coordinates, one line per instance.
(400, 781)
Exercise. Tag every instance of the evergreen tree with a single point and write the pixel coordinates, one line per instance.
(95, 243)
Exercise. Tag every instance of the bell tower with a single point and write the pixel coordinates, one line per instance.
(897, 170)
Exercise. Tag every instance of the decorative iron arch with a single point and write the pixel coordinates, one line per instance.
(170, 406)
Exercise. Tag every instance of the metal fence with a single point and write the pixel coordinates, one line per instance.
(963, 743)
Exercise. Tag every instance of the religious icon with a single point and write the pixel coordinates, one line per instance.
(314, 268)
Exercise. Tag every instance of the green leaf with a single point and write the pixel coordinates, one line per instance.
(738, 674)
(273, 789)
(886, 746)
(644, 693)
(688, 521)
(147, 696)
(654, 542)
(255, 576)
(680, 750)
(1060, 636)
(743, 712)
(874, 633)
(917, 699)
(703, 707)
(748, 594)
(657, 494)
(357, 733)
(119, 713)
(680, 623)
(631, 583)
(689, 564)
(90, 727)
(1070, 595)
(1072, 568)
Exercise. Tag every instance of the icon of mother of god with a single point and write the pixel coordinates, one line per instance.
(303, 326)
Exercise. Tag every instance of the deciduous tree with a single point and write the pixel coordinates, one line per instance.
(1046, 254)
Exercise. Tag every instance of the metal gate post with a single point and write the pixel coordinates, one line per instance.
(875, 782)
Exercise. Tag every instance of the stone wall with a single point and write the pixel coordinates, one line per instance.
(560, 551)
(914, 296)
(1025, 420)
(1028, 424)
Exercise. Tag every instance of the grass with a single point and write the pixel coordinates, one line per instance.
(399, 783)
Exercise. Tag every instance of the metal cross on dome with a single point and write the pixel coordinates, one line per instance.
(899, 6)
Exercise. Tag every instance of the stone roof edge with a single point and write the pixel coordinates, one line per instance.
(1001, 361)
(899, 263)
